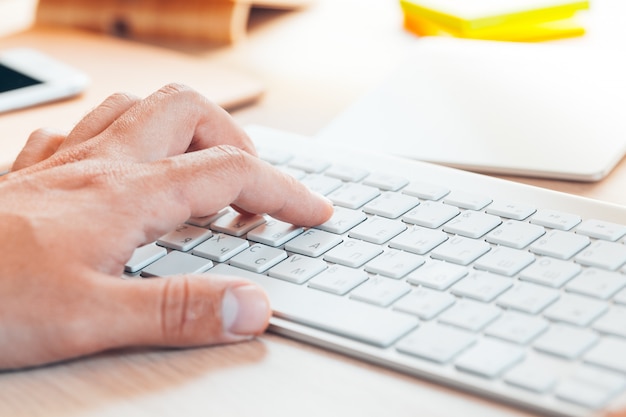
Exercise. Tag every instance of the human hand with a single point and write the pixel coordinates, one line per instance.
(75, 207)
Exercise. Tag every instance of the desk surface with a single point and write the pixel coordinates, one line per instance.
(313, 63)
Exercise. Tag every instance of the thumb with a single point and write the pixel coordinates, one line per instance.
(182, 311)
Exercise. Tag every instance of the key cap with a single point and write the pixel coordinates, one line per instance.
(346, 173)
(565, 341)
(510, 210)
(220, 247)
(274, 156)
(620, 297)
(321, 184)
(590, 387)
(555, 219)
(532, 376)
(550, 272)
(529, 298)
(298, 269)
(310, 165)
(342, 220)
(175, 263)
(385, 182)
(353, 196)
(436, 343)
(601, 229)
(274, 233)
(380, 291)
(184, 237)
(609, 353)
(425, 190)
(352, 253)
(236, 224)
(606, 255)
(559, 244)
(437, 274)
(418, 240)
(517, 327)
(504, 261)
(394, 263)
(460, 250)
(515, 234)
(597, 283)
(143, 256)
(313, 243)
(575, 309)
(377, 230)
(431, 214)
(489, 358)
(467, 200)
(481, 286)
(472, 224)
(258, 258)
(613, 322)
(470, 315)
(342, 316)
(207, 220)
(391, 205)
(424, 303)
(338, 279)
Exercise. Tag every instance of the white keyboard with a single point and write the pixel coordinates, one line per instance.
(494, 287)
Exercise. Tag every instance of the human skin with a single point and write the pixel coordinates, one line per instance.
(74, 207)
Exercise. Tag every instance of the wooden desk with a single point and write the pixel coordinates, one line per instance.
(313, 64)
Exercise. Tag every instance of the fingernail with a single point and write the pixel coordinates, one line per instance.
(245, 310)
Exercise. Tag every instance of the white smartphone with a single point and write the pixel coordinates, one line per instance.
(29, 77)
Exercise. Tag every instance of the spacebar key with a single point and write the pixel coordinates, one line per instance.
(342, 316)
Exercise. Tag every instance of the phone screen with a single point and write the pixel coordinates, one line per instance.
(12, 80)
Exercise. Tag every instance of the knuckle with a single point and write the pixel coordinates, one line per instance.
(120, 99)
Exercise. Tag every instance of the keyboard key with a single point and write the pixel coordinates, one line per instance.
(601, 230)
(321, 184)
(460, 250)
(437, 274)
(258, 258)
(307, 164)
(481, 286)
(431, 214)
(532, 376)
(597, 283)
(517, 327)
(391, 205)
(424, 303)
(346, 173)
(377, 230)
(184, 237)
(590, 387)
(515, 234)
(380, 291)
(313, 243)
(274, 156)
(348, 318)
(394, 263)
(176, 263)
(565, 341)
(510, 210)
(504, 261)
(489, 358)
(220, 247)
(467, 200)
(529, 298)
(338, 279)
(353, 196)
(274, 233)
(237, 224)
(555, 219)
(436, 343)
(144, 256)
(470, 315)
(298, 269)
(550, 272)
(425, 190)
(342, 220)
(613, 322)
(606, 255)
(609, 353)
(472, 224)
(385, 182)
(620, 297)
(575, 309)
(353, 253)
(418, 240)
(559, 244)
